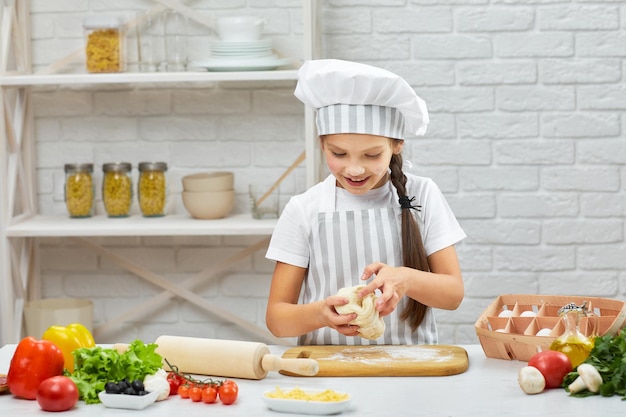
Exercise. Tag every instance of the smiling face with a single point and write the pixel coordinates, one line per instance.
(359, 162)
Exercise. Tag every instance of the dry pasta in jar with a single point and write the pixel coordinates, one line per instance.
(79, 190)
(152, 188)
(104, 44)
(117, 189)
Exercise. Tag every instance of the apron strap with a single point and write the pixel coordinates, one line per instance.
(327, 202)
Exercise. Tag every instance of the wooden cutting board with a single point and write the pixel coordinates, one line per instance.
(3, 383)
(383, 360)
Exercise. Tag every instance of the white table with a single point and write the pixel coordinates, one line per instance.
(488, 388)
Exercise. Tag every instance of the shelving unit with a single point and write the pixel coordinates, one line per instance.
(145, 77)
(21, 225)
(171, 225)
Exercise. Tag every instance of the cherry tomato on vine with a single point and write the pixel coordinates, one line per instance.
(175, 381)
(209, 394)
(228, 392)
(183, 391)
(195, 393)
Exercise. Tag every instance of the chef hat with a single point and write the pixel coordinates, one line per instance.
(356, 98)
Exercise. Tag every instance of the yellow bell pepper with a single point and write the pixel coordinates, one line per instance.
(68, 339)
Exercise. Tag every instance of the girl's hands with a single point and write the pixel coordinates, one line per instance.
(334, 320)
(391, 281)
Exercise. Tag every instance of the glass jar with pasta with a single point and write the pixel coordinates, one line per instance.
(79, 190)
(152, 188)
(117, 189)
(104, 44)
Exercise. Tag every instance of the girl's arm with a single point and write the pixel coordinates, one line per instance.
(441, 288)
(286, 318)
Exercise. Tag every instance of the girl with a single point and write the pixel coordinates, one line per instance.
(367, 219)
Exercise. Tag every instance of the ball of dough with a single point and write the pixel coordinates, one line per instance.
(371, 325)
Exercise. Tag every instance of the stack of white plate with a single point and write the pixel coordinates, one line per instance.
(242, 56)
(241, 50)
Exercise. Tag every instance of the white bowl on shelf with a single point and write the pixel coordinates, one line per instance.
(208, 204)
(239, 28)
(209, 181)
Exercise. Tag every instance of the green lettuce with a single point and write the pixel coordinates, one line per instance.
(95, 366)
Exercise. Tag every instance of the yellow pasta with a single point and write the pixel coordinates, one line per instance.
(117, 194)
(152, 193)
(103, 51)
(79, 194)
(299, 394)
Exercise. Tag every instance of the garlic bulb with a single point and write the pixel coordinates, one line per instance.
(158, 382)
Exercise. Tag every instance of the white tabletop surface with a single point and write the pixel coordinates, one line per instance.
(488, 388)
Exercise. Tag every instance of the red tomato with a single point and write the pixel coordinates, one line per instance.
(228, 392)
(175, 381)
(173, 375)
(58, 393)
(183, 391)
(553, 366)
(195, 393)
(174, 384)
(209, 394)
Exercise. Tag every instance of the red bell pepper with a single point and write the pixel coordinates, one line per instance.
(33, 361)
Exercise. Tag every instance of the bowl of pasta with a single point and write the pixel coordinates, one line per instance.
(304, 401)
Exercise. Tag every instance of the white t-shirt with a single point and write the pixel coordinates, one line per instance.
(438, 225)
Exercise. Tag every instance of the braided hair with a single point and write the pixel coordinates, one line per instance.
(413, 251)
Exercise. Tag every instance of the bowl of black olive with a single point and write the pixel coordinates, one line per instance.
(131, 395)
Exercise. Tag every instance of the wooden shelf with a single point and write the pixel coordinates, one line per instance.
(172, 225)
(22, 80)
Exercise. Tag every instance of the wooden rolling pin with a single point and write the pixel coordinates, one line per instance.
(228, 358)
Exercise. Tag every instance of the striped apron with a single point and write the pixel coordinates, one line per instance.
(342, 244)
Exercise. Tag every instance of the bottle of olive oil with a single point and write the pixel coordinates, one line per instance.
(574, 344)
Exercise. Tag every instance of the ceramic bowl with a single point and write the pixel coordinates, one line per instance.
(129, 402)
(239, 28)
(209, 204)
(286, 405)
(209, 181)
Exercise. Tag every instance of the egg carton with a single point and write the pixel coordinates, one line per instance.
(517, 326)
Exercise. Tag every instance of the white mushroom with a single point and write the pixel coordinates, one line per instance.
(531, 380)
(588, 377)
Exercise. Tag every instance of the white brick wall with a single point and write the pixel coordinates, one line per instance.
(527, 105)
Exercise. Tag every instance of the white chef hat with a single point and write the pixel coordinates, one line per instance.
(356, 98)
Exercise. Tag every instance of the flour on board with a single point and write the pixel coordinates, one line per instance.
(381, 354)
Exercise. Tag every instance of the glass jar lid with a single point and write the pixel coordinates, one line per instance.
(117, 167)
(153, 166)
(78, 167)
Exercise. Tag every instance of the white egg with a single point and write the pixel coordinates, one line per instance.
(505, 313)
(528, 313)
(501, 330)
(544, 332)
